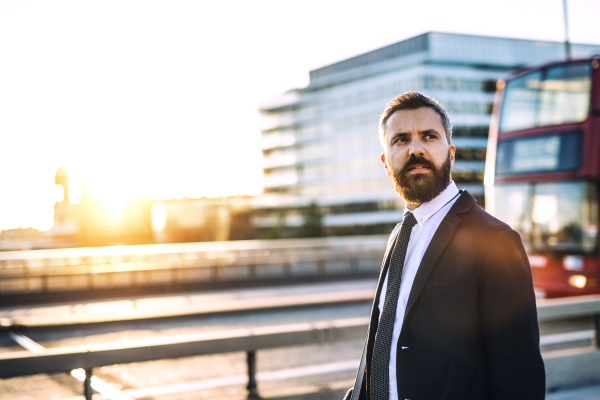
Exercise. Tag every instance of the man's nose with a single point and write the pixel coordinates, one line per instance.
(416, 148)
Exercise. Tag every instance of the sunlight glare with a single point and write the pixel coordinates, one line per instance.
(60, 193)
(159, 99)
(159, 216)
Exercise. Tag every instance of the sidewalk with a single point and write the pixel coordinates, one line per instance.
(144, 307)
(584, 393)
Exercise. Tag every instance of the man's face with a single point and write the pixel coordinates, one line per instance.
(417, 154)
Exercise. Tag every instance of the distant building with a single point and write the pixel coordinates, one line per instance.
(320, 143)
(201, 220)
(64, 232)
(66, 214)
(92, 222)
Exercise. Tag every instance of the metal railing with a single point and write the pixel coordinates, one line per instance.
(64, 359)
(563, 368)
(40, 271)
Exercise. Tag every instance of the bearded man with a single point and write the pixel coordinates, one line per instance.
(454, 315)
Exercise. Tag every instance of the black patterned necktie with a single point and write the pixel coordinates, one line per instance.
(380, 371)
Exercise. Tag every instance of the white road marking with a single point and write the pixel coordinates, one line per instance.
(100, 386)
(183, 387)
(27, 343)
(187, 386)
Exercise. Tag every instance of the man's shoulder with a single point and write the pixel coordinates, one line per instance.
(468, 211)
(479, 214)
(479, 221)
(479, 232)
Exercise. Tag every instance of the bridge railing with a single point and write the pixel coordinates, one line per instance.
(563, 367)
(64, 359)
(39, 271)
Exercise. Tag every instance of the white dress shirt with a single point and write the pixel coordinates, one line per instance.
(429, 216)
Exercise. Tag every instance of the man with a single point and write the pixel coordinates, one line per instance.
(454, 315)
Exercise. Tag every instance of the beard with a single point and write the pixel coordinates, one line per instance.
(424, 187)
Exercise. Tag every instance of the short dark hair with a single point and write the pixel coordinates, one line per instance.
(412, 101)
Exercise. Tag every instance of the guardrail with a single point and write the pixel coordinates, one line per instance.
(247, 340)
(563, 367)
(41, 271)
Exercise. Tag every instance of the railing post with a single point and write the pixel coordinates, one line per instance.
(87, 384)
(252, 388)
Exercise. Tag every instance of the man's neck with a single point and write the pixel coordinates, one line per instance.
(412, 206)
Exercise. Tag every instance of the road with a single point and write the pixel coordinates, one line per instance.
(163, 375)
(280, 371)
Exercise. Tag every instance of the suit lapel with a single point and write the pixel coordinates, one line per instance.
(438, 244)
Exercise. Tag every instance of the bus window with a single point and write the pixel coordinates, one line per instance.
(550, 217)
(557, 152)
(563, 216)
(551, 96)
(512, 205)
(520, 102)
(565, 94)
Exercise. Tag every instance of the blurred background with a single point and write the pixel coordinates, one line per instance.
(188, 167)
(153, 108)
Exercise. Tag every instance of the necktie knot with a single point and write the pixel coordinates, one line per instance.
(409, 220)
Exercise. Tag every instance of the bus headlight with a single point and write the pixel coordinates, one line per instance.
(577, 281)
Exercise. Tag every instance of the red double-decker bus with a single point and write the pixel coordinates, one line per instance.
(543, 171)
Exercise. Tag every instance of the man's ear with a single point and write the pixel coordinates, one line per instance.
(385, 164)
(452, 151)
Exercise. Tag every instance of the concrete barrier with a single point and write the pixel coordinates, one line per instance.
(98, 268)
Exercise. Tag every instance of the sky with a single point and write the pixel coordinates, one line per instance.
(159, 98)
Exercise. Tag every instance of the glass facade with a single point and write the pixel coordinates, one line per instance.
(321, 142)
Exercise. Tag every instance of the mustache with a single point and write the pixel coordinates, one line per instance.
(414, 159)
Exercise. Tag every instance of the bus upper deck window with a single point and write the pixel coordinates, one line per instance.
(564, 95)
(520, 102)
(551, 96)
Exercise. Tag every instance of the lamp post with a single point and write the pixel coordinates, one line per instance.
(566, 18)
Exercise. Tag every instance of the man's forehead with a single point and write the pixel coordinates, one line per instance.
(423, 118)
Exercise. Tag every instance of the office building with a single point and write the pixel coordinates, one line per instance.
(320, 143)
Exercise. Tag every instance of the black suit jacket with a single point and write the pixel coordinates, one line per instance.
(470, 329)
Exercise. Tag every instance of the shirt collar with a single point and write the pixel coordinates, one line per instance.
(426, 210)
